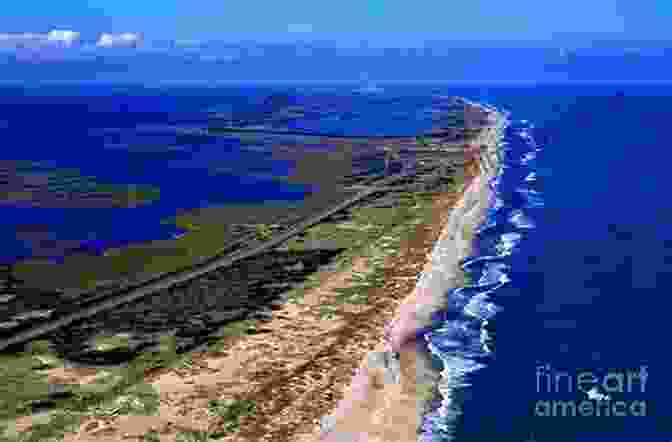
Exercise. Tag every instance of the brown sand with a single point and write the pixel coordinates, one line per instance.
(296, 369)
(372, 410)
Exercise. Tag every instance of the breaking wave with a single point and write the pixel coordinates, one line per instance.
(462, 338)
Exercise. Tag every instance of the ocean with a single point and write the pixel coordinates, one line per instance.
(562, 335)
(568, 304)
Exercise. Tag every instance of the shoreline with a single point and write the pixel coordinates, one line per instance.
(359, 326)
(299, 322)
(410, 381)
(267, 367)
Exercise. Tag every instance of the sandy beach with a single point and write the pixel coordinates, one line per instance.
(360, 376)
(374, 409)
(296, 370)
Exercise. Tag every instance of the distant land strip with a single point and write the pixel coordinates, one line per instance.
(301, 133)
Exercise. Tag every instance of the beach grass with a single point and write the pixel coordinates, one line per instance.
(114, 391)
(151, 436)
(373, 232)
(231, 410)
(197, 436)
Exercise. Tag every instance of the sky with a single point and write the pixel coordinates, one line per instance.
(125, 40)
(348, 22)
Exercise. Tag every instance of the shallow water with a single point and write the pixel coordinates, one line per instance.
(134, 135)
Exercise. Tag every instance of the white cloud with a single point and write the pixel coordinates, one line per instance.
(126, 40)
(66, 38)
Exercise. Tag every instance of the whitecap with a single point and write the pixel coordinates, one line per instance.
(520, 220)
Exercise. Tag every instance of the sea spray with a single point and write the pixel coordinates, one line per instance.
(460, 336)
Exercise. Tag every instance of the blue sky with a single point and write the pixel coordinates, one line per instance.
(28, 53)
(380, 22)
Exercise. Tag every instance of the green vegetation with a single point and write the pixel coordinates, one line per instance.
(423, 141)
(426, 392)
(372, 232)
(151, 436)
(381, 247)
(467, 231)
(21, 381)
(231, 411)
(203, 239)
(230, 330)
(197, 436)
(48, 428)
(185, 361)
(467, 279)
(137, 195)
(115, 391)
(114, 342)
(140, 399)
(139, 260)
(263, 232)
(71, 181)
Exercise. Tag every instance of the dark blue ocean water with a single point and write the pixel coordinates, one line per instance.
(572, 276)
